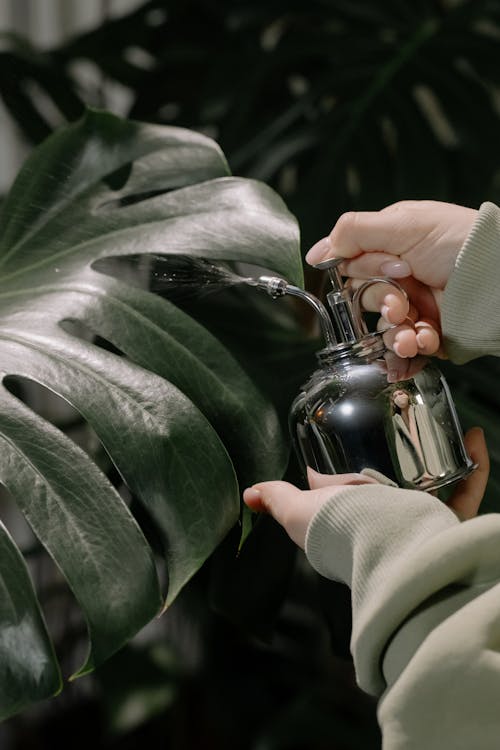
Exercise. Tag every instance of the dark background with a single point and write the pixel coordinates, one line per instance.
(339, 105)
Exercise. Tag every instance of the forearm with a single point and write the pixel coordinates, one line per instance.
(446, 697)
(364, 537)
(422, 616)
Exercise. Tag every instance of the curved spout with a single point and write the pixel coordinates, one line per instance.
(277, 287)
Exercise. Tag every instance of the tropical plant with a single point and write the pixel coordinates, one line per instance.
(173, 409)
(337, 105)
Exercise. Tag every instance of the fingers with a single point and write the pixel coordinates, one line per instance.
(468, 494)
(361, 231)
(402, 340)
(377, 263)
(417, 238)
(423, 299)
(401, 369)
(412, 336)
(317, 481)
(428, 339)
(392, 303)
(410, 339)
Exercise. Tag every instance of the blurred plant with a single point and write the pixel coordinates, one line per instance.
(336, 104)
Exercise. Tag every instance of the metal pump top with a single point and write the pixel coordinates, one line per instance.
(345, 326)
(347, 319)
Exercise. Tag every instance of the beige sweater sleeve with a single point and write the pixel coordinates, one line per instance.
(426, 612)
(425, 587)
(470, 309)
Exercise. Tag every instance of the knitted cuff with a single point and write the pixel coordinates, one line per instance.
(370, 525)
(367, 536)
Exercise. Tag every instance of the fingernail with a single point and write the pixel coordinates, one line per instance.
(319, 250)
(252, 495)
(395, 269)
(385, 312)
(420, 340)
(397, 350)
(393, 376)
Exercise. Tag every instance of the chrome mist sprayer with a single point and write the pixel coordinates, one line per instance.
(349, 418)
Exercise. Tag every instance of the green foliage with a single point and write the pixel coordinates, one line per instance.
(170, 405)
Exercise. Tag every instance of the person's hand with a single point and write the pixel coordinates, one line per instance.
(294, 508)
(415, 242)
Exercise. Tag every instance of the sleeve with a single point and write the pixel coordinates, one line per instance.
(471, 318)
(426, 612)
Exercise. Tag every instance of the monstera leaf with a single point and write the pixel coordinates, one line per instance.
(172, 408)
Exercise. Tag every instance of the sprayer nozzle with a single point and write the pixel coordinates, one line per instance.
(273, 285)
(277, 287)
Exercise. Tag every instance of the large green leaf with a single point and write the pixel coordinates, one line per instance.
(170, 405)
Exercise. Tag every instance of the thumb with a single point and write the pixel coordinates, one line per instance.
(317, 480)
(274, 498)
(468, 493)
(289, 506)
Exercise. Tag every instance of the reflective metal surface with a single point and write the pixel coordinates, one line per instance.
(349, 418)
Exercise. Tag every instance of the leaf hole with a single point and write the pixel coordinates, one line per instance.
(15, 522)
(61, 414)
(82, 331)
(133, 198)
(118, 179)
(61, 611)
(56, 410)
(135, 270)
(42, 401)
